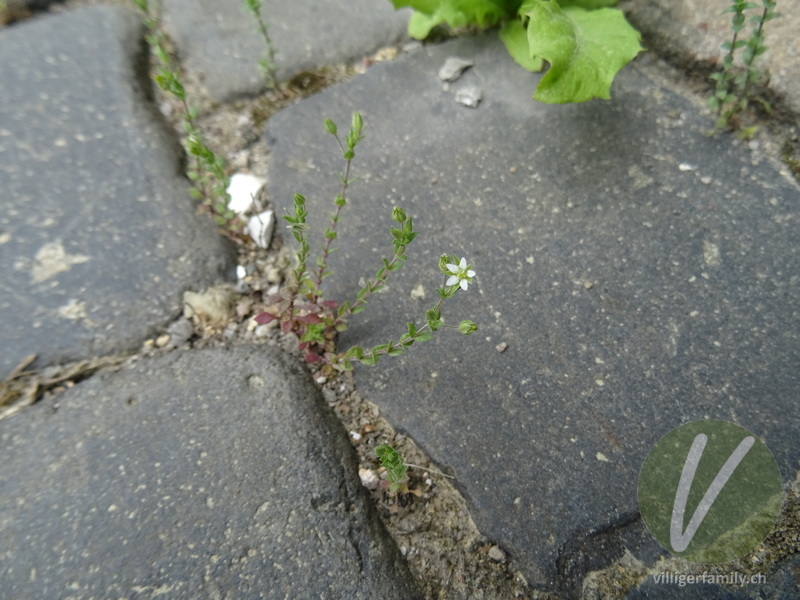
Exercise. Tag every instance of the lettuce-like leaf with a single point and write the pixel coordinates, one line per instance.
(585, 49)
(514, 35)
(420, 25)
(588, 4)
(456, 13)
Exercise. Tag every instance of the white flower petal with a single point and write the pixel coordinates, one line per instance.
(452, 268)
(463, 264)
(452, 280)
(470, 273)
(464, 284)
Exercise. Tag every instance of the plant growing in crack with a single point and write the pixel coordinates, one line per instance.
(267, 63)
(301, 308)
(397, 469)
(207, 170)
(733, 91)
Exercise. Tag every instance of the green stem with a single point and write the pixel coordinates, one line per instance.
(326, 250)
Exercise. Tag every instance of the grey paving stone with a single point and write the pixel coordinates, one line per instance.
(699, 591)
(694, 31)
(31, 4)
(209, 474)
(642, 274)
(218, 39)
(98, 235)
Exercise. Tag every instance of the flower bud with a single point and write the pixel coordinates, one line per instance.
(357, 124)
(330, 126)
(467, 327)
(443, 260)
(398, 215)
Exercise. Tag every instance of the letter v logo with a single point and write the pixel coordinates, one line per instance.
(679, 539)
(720, 476)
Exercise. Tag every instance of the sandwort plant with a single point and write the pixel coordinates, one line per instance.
(301, 308)
(267, 62)
(396, 468)
(207, 170)
(733, 90)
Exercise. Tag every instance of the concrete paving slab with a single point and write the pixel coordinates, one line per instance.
(209, 474)
(218, 41)
(98, 235)
(641, 273)
(694, 31)
(31, 4)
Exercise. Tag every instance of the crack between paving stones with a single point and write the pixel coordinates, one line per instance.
(604, 545)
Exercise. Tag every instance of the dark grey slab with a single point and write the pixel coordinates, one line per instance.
(218, 41)
(98, 235)
(209, 474)
(31, 4)
(642, 274)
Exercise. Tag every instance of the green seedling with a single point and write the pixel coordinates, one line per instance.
(267, 63)
(207, 170)
(396, 468)
(301, 308)
(733, 88)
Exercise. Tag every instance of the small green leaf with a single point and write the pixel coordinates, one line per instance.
(425, 336)
(355, 352)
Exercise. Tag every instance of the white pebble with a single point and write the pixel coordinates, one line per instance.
(242, 189)
(261, 228)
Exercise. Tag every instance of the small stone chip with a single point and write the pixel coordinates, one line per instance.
(469, 96)
(453, 67)
(501, 347)
(588, 285)
(369, 478)
(496, 554)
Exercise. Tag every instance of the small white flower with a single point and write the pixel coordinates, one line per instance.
(461, 274)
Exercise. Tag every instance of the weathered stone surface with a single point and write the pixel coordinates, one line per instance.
(207, 474)
(642, 274)
(31, 4)
(219, 42)
(694, 31)
(98, 235)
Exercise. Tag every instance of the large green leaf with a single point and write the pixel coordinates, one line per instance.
(420, 25)
(514, 35)
(588, 4)
(456, 13)
(585, 49)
